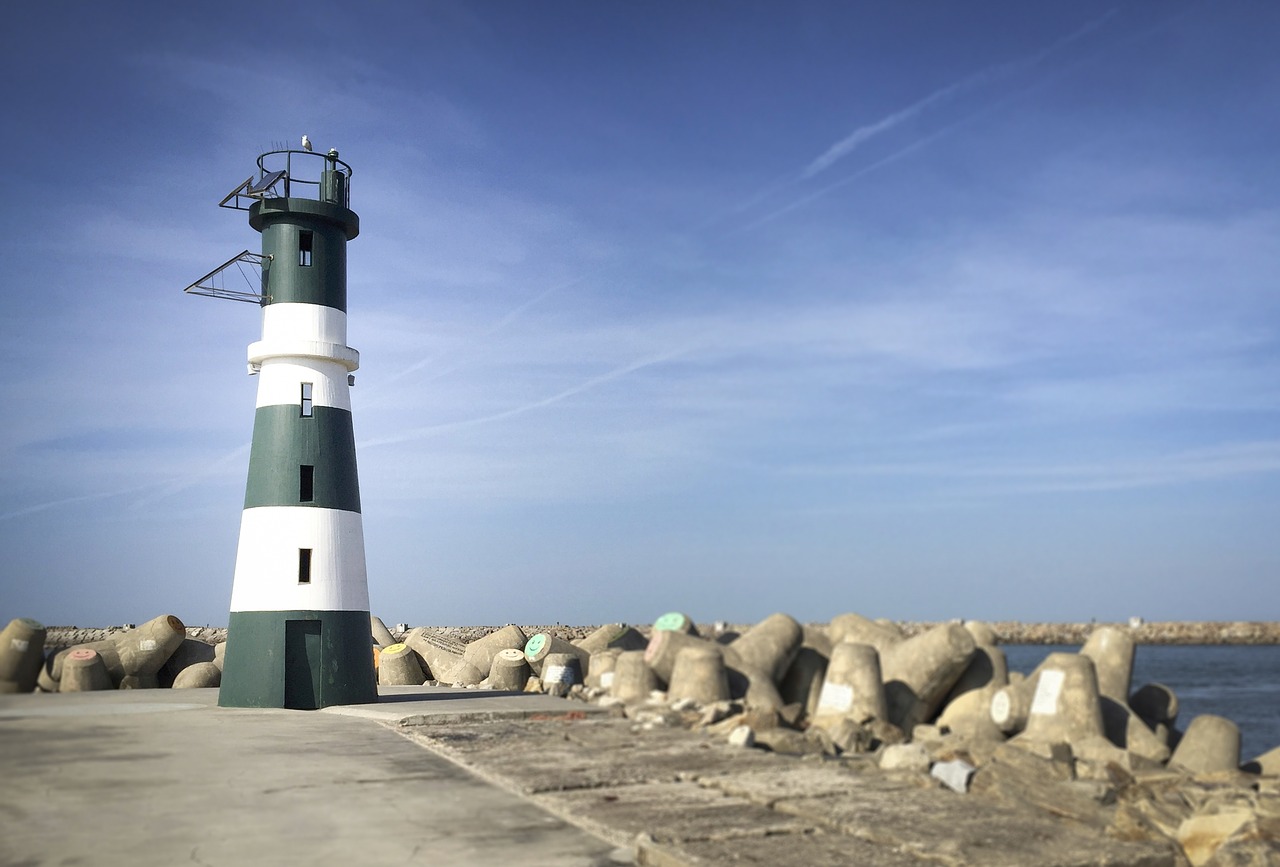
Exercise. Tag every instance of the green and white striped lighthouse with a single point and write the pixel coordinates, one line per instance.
(299, 632)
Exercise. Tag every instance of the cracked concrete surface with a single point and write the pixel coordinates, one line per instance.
(690, 800)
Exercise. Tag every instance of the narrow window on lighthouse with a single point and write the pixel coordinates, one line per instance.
(304, 248)
(304, 565)
(306, 400)
(306, 483)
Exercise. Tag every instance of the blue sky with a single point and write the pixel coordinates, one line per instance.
(921, 310)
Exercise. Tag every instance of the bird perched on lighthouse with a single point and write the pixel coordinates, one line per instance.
(306, 143)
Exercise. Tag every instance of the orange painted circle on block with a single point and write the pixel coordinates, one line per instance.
(82, 653)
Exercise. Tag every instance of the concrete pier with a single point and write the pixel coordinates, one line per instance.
(475, 779)
(264, 786)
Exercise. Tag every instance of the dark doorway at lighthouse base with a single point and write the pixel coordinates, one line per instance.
(302, 664)
(298, 659)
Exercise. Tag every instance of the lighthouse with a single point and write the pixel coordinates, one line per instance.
(298, 633)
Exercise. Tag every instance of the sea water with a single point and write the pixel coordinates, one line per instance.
(1241, 683)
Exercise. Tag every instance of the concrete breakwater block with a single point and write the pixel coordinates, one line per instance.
(83, 671)
(755, 687)
(1210, 743)
(675, 621)
(190, 652)
(617, 636)
(1112, 651)
(967, 708)
(853, 688)
(920, 671)
(1065, 707)
(509, 671)
(802, 684)
(21, 654)
(398, 665)
(1156, 704)
(379, 632)
(665, 644)
(634, 680)
(143, 651)
(983, 634)
(541, 645)
(601, 668)
(441, 656)
(769, 646)
(133, 658)
(698, 675)
(201, 675)
(860, 630)
(1011, 704)
(560, 671)
(479, 654)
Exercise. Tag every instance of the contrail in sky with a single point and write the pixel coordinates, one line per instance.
(190, 479)
(53, 504)
(502, 323)
(616, 373)
(938, 133)
(851, 142)
(159, 490)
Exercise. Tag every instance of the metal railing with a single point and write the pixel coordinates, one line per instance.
(329, 181)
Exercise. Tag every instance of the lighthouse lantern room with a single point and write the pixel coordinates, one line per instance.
(298, 634)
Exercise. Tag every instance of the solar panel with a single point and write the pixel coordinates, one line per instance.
(264, 183)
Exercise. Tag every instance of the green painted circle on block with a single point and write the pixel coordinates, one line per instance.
(535, 644)
(672, 621)
(30, 624)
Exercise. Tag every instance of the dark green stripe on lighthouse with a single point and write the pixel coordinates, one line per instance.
(284, 442)
(307, 243)
(298, 659)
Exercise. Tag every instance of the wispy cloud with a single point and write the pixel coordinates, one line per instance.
(587, 385)
(847, 145)
(985, 478)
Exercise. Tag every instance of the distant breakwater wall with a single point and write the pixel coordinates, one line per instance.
(1007, 631)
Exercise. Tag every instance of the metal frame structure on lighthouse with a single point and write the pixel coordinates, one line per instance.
(298, 634)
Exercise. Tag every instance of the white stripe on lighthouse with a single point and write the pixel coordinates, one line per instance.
(308, 321)
(280, 382)
(266, 577)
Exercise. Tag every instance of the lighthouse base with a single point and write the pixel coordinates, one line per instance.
(298, 659)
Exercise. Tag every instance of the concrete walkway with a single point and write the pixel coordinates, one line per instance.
(455, 778)
(165, 777)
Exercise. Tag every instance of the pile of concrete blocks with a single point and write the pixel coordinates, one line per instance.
(156, 654)
(505, 659)
(1073, 735)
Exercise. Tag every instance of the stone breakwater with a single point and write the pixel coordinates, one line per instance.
(1178, 632)
(1073, 740)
